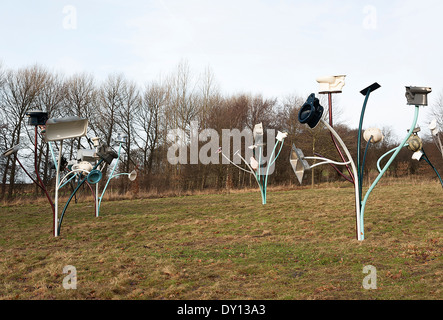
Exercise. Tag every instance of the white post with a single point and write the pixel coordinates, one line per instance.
(57, 182)
(354, 169)
(96, 200)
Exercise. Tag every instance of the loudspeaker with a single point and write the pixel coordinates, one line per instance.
(133, 175)
(37, 118)
(94, 176)
(311, 112)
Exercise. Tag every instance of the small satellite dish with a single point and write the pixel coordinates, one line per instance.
(433, 127)
(65, 128)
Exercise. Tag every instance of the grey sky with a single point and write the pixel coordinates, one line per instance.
(274, 48)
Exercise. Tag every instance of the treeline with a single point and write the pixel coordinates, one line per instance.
(146, 114)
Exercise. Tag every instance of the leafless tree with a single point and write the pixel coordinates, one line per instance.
(18, 96)
(149, 120)
(437, 110)
(130, 105)
(109, 101)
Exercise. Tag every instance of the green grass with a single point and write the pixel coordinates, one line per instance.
(301, 245)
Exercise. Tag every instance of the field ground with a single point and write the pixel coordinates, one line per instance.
(301, 246)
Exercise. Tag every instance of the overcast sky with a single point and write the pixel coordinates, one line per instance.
(274, 48)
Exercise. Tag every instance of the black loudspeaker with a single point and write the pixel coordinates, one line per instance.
(311, 112)
(37, 118)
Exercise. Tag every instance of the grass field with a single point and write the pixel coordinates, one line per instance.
(228, 246)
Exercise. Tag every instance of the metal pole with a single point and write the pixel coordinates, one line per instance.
(414, 123)
(57, 182)
(352, 179)
(110, 177)
(354, 169)
(42, 185)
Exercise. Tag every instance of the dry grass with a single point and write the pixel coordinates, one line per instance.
(228, 246)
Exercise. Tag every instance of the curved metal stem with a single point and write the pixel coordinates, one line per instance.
(337, 170)
(351, 179)
(110, 177)
(38, 175)
(362, 169)
(267, 170)
(72, 195)
(384, 156)
(432, 166)
(354, 169)
(360, 128)
(252, 172)
(27, 173)
(397, 151)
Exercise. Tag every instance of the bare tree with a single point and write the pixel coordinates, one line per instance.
(79, 95)
(130, 105)
(182, 107)
(260, 111)
(437, 110)
(107, 106)
(18, 95)
(50, 99)
(149, 120)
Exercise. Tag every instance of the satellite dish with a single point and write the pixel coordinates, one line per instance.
(94, 176)
(65, 128)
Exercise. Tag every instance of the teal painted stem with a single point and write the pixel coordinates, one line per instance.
(72, 195)
(269, 166)
(384, 156)
(278, 154)
(258, 177)
(432, 166)
(397, 151)
(362, 173)
(52, 154)
(360, 128)
(110, 178)
(67, 181)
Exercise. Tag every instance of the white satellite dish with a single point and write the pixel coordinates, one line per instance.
(65, 128)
